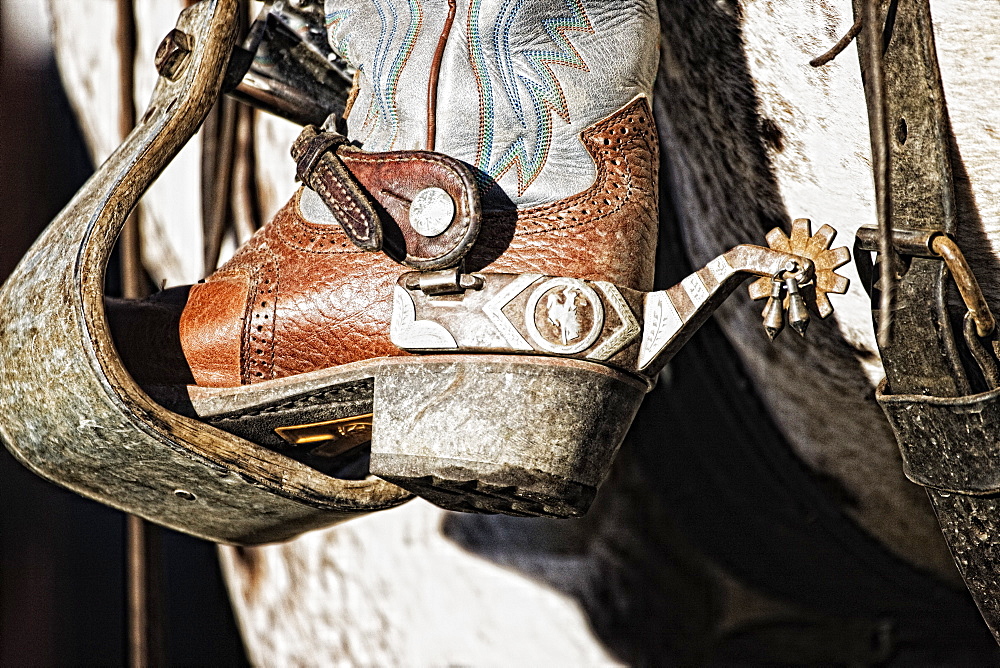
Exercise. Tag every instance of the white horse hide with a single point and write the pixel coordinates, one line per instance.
(754, 137)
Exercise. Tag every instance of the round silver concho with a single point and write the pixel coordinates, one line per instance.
(431, 211)
(564, 316)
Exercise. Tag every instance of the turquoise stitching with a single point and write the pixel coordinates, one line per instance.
(402, 57)
(333, 21)
(381, 100)
(486, 115)
(387, 66)
(545, 92)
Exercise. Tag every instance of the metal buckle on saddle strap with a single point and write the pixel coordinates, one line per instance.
(978, 323)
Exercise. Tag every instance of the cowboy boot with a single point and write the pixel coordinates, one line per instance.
(487, 145)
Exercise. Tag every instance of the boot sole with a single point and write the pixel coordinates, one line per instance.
(512, 434)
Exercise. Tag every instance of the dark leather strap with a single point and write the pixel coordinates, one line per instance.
(320, 168)
(920, 356)
(380, 198)
(948, 443)
(947, 437)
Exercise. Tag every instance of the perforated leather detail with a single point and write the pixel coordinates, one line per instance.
(617, 174)
(258, 334)
(310, 237)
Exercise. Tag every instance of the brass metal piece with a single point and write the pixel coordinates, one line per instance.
(172, 54)
(966, 282)
(937, 244)
(338, 436)
(815, 247)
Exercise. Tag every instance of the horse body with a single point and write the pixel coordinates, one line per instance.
(756, 137)
(753, 136)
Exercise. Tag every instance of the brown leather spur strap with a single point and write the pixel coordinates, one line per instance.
(949, 437)
(420, 207)
(319, 167)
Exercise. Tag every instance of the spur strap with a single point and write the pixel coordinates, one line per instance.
(946, 434)
(319, 167)
(420, 207)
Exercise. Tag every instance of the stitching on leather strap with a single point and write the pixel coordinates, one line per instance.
(347, 202)
(308, 156)
(322, 165)
(319, 167)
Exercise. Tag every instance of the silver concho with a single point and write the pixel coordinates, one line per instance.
(564, 316)
(431, 211)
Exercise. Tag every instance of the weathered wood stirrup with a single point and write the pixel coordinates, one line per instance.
(70, 411)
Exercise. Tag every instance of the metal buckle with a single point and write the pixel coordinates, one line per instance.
(978, 322)
(443, 282)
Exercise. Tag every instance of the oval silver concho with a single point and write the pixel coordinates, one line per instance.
(431, 211)
(564, 316)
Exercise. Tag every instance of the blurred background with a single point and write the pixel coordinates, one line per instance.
(62, 558)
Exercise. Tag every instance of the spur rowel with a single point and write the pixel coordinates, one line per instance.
(71, 411)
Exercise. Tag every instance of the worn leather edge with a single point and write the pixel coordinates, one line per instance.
(949, 443)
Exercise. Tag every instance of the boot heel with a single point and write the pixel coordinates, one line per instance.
(505, 434)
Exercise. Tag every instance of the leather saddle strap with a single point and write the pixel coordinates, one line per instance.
(920, 356)
(939, 427)
(321, 169)
(949, 446)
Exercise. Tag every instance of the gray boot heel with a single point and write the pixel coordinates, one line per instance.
(508, 434)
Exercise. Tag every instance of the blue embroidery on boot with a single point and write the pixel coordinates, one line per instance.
(543, 89)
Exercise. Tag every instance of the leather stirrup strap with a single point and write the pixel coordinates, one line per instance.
(947, 437)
